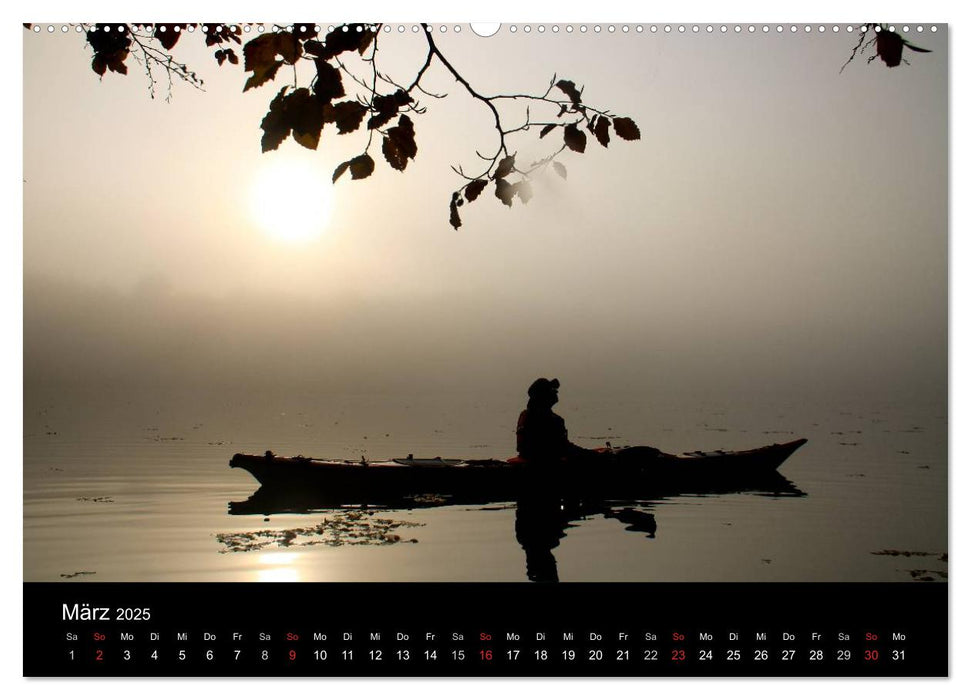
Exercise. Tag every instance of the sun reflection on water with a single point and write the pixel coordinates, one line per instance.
(278, 567)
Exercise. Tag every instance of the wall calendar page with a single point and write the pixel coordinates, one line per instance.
(438, 349)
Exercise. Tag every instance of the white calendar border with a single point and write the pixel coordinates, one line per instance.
(507, 10)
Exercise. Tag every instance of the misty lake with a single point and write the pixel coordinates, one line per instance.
(121, 491)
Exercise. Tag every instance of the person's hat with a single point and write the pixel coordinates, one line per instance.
(543, 387)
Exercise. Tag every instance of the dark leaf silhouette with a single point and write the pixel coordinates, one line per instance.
(231, 55)
(220, 56)
(305, 117)
(314, 48)
(453, 209)
(360, 167)
(571, 91)
(347, 38)
(304, 30)
(288, 46)
(259, 52)
(347, 115)
(626, 129)
(274, 125)
(505, 166)
(399, 143)
(263, 75)
(474, 189)
(524, 190)
(327, 85)
(386, 108)
(560, 169)
(890, 47)
(170, 36)
(218, 33)
(98, 64)
(110, 49)
(546, 129)
(505, 191)
(259, 58)
(600, 126)
(116, 61)
(575, 139)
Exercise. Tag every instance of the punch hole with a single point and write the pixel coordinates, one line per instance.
(485, 29)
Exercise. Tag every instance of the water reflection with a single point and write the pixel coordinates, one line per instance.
(272, 500)
(278, 567)
(542, 520)
(540, 525)
(543, 516)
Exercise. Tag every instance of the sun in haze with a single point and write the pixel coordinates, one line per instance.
(291, 200)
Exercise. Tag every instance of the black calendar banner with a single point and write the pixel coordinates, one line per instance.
(673, 630)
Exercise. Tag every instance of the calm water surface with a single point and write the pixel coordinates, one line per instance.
(115, 491)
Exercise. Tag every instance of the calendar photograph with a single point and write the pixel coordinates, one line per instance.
(414, 303)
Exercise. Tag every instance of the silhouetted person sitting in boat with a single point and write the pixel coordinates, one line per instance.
(541, 435)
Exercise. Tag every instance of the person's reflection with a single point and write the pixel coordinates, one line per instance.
(540, 525)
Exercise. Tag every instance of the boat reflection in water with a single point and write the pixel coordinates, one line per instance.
(543, 515)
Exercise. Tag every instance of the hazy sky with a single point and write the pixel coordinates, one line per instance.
(779, 227)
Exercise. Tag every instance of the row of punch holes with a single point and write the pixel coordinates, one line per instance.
(489, 30)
